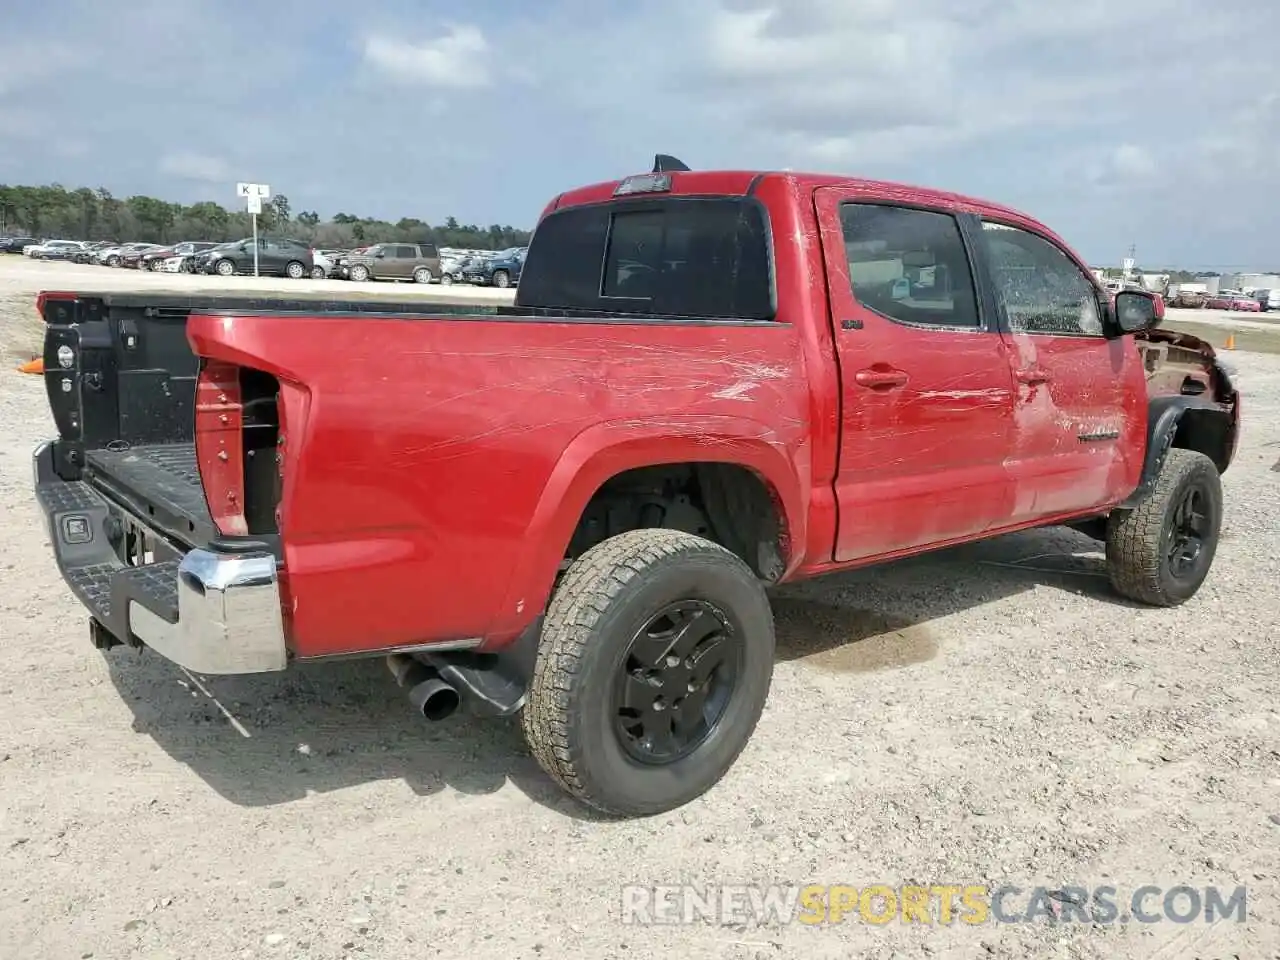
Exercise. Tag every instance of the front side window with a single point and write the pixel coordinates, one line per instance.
(909, 265)
(1041, 289)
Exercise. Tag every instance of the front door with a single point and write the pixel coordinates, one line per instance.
(926, 390)
(1079, 417)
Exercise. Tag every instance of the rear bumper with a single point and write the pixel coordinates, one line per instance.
(208, 611)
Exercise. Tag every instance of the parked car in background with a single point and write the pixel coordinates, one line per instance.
(451, 268)
(1267, 299)
(276, 257)
(419, 262)
(152, 259)
(340, 270)
(500, 270)
(325, 263)
(90, 250)
(1231, 301)
(111, 256)
(62, 249)
(132, 259)
(16, 244)
(53, 249)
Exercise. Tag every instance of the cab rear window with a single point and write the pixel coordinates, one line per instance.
(674, 256)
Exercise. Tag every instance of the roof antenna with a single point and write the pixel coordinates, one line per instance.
(662, 163)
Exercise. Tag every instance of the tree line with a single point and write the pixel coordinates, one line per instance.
(95, 214)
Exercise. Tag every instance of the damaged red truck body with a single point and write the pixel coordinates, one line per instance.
(571, 508)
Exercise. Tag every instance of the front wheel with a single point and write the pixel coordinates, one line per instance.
(225, 268)
(359, 273)
(446, 280)
(652, 671)
(1160, 552)
(501, 279)
(317, 273)
(295, 270)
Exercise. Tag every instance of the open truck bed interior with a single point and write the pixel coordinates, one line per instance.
(121, 381)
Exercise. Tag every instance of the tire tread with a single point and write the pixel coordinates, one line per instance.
(582, 598)
(1134, 537)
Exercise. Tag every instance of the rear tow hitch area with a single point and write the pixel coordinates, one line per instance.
(487, 684)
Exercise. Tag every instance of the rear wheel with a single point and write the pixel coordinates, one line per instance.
(446, 280)
(653, 668)
(1160, 552)
(225, 268)
(422, 275)
(295, 270)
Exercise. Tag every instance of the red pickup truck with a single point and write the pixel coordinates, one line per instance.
(570, 508)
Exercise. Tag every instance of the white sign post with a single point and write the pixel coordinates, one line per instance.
(253, 195)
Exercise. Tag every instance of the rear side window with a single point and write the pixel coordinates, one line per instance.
(681, 257)
(909, 265)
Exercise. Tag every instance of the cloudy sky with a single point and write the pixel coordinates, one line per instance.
(1152, 122)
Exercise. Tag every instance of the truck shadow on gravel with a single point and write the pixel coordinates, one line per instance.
(327, 727)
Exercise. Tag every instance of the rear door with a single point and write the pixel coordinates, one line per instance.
(404, 259)
(926, 388)
(1079, 423)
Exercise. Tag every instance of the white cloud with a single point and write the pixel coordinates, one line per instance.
(459, 59)
(200, 167)
(1131, 160)
(1096, 117)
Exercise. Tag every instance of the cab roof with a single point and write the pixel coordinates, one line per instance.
(744, 182)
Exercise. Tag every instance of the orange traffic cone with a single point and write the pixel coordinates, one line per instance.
(1231, 341)
(33, 366)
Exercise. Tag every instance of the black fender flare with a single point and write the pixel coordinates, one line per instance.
(1164, 414)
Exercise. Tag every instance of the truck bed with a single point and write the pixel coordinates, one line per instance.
(164, 474)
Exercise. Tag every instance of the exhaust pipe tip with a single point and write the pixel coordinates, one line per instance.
(434, 699)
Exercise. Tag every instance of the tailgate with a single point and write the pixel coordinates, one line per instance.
(120, 378)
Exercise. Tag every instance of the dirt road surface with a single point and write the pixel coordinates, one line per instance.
(990, 715)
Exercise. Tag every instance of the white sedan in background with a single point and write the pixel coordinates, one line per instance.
(63, 248)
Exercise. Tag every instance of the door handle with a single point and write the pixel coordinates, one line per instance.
(1032, 376)
(880, 379)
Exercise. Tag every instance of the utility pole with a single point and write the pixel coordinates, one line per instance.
(1130, 261)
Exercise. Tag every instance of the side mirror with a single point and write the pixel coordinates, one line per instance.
(1137, 310)
(381, 254)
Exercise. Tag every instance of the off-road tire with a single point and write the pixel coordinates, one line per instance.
(608, 594)
(1138, 540)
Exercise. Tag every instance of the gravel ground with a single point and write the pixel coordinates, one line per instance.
(987, 715)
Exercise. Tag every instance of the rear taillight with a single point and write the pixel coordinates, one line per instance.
(220, 446)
